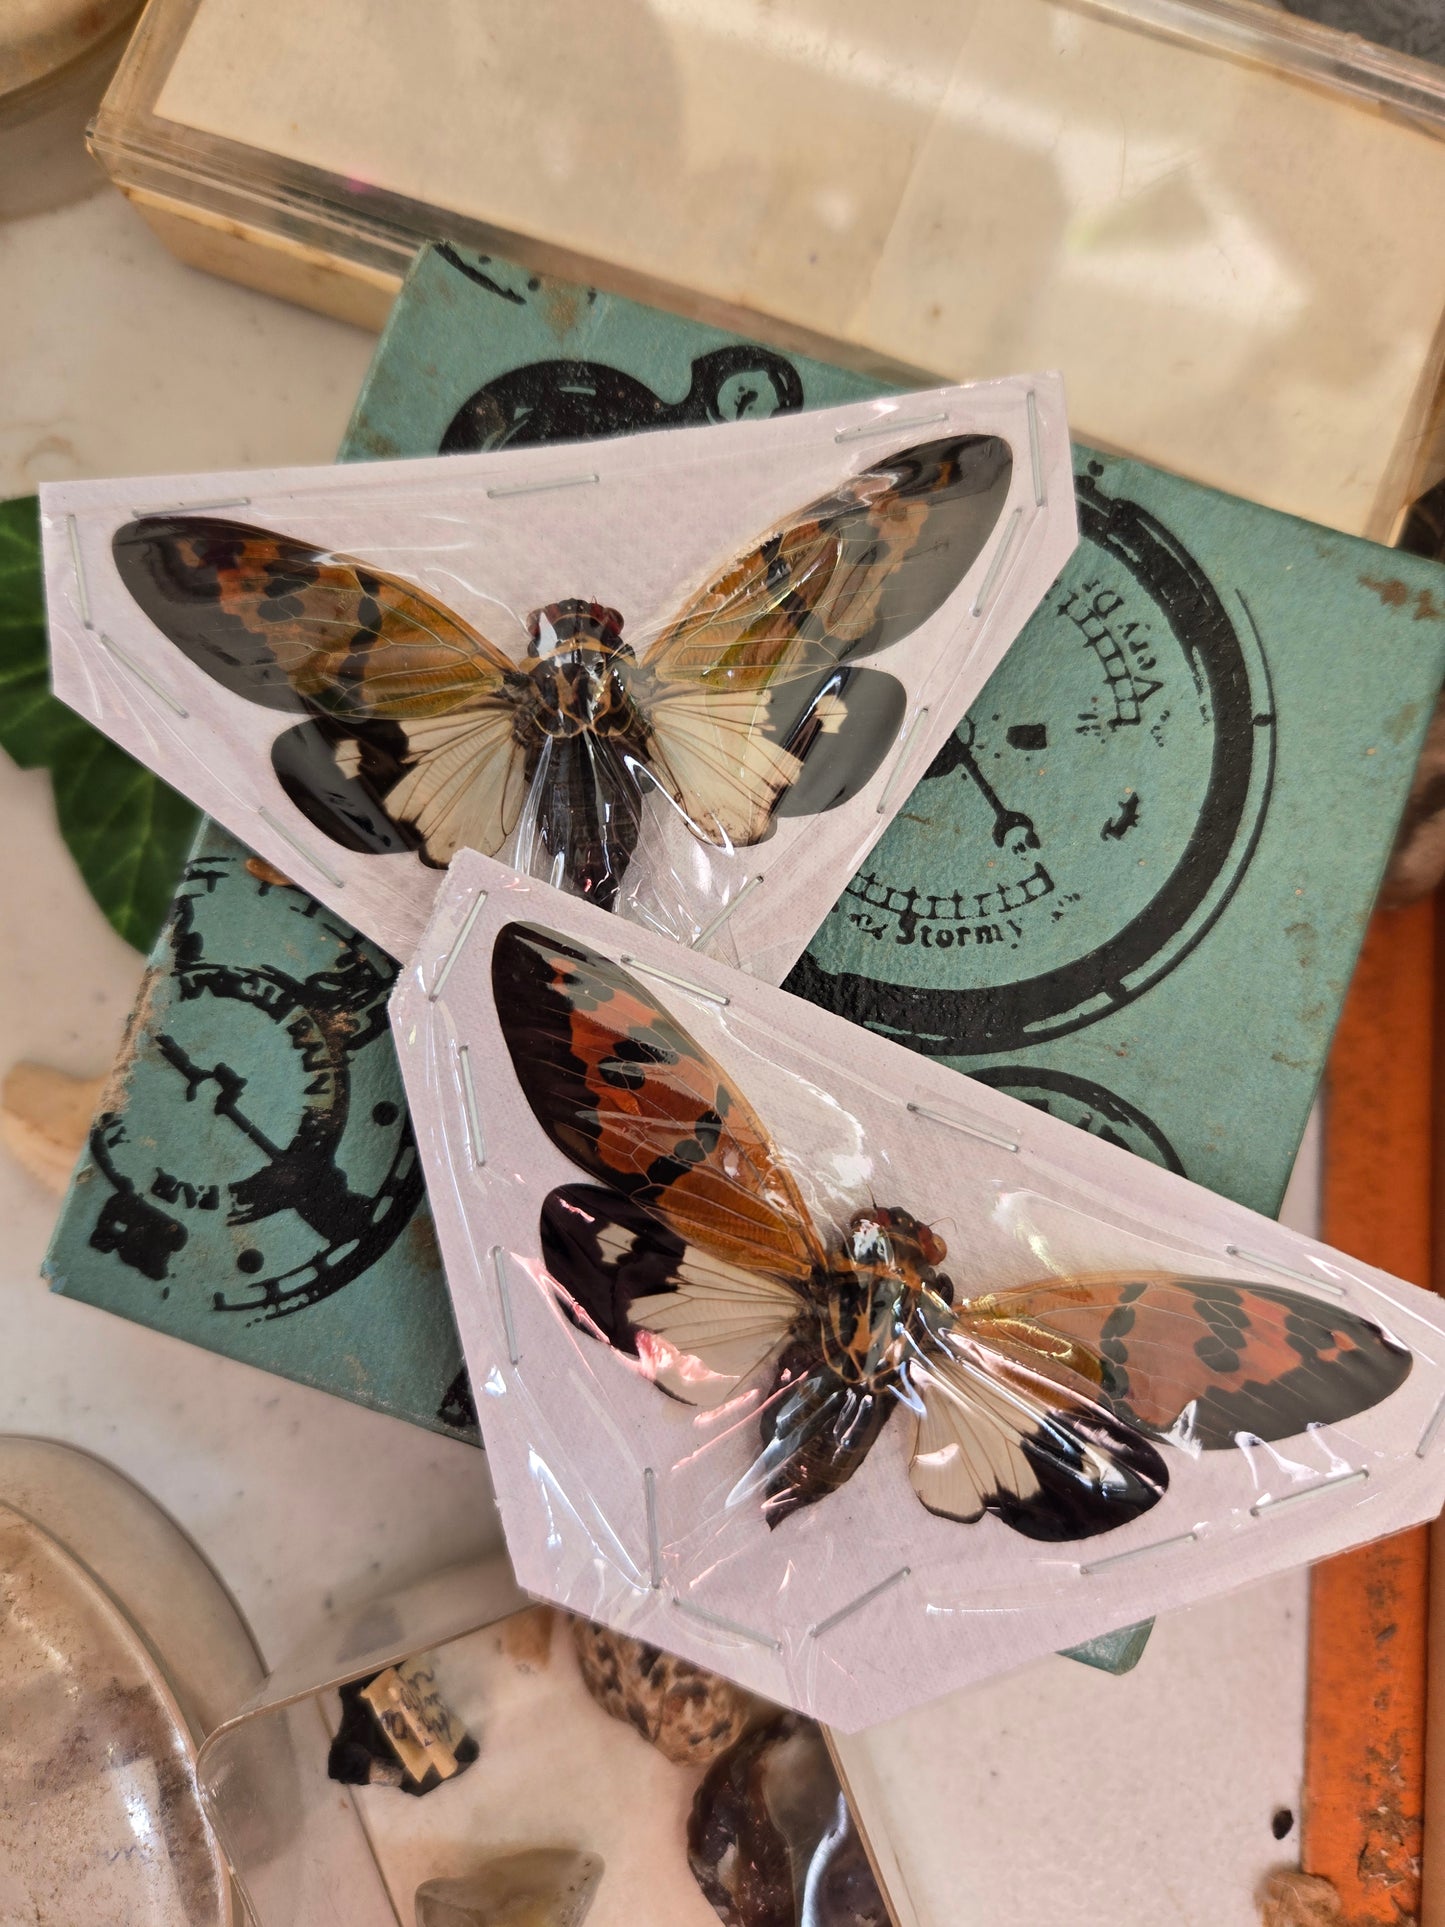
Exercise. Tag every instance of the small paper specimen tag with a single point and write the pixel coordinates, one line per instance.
(423, 1731)
(397, 1730)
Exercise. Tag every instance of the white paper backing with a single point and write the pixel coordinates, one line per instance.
(494, 536)
(572, 1430)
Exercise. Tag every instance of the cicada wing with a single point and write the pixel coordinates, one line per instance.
(288, 625)
(338, 775)
(413, 709)
(841, 736)
(624, 1091)
(845, 576)
(712, 754)
(1017, 1436)
(464, 782)
(744, 682)
(1210, 1358)
(699, 1325)
(731, 764)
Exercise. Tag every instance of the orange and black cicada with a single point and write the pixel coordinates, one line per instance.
(420, 733)
(1053, 1406)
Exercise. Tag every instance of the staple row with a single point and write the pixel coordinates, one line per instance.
(540, 488)
(667, 977)
(710, 930)
(1285, 1271)
(968, 1130)
(469, 1092)
(893, 425)
(308, 855)
(499, 1266)
(1035, 452)
(996, 567)
(449, 960)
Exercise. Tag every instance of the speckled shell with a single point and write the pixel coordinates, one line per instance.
(688, 1714)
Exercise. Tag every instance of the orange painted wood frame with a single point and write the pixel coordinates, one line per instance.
(1364, 1795)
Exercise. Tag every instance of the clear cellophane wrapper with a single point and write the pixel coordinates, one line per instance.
(690, 676)
(846, 1376)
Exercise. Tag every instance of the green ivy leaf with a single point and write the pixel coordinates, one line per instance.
(126, 830)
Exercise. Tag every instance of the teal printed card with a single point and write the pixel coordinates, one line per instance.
(1132, 889)
(478, 354)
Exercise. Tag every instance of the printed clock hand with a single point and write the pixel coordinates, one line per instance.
(957, 753)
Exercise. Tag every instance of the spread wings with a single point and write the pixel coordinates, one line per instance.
(747, 703)
(692, 1250)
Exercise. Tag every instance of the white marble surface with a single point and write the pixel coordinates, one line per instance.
(114, 358)
(117, 360)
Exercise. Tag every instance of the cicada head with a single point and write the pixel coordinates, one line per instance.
(887, 1237)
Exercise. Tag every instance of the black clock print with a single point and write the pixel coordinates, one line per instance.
(1086, 825)
(1086, 1105)
(299, 1170)
(578, 401)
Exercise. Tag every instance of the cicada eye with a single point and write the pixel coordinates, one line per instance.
(931, 1245)
(608, 626)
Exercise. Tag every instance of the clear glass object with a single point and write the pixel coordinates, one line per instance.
(118, 1649)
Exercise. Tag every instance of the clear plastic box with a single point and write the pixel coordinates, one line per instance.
(1207, 212)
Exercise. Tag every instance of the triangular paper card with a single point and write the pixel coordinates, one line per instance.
(688, 675)
(840, 1373)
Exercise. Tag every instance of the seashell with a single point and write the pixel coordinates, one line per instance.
(688, 1714)
(770, 1825)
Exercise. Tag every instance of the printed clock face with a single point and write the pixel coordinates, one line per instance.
(297, 1170)
(1087, 823)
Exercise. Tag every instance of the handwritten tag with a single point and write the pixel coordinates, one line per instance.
(396, 1730)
